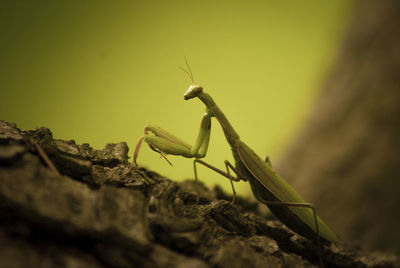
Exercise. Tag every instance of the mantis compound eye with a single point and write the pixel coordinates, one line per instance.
(193, 92)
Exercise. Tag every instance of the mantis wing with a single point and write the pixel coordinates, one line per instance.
(285, 193)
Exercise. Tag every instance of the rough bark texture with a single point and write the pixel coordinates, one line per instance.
(95, 214)
(346, 159)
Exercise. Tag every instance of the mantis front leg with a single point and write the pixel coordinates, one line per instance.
(166, 143)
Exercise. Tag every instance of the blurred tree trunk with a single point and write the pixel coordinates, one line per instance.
(346, 159)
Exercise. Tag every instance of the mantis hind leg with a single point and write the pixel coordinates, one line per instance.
(306, 205)
(226, 174)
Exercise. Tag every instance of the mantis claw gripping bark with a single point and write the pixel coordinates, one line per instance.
(268, 186)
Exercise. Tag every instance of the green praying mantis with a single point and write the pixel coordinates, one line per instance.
(267, 186)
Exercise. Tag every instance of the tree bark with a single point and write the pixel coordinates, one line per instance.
(96, 214)
(346, 158)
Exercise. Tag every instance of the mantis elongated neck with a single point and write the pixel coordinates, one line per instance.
(230, 134)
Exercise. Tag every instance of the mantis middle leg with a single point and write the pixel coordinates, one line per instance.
(226, 174)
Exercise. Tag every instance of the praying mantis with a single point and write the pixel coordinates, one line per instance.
(267, 185)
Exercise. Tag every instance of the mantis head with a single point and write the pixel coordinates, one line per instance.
(192, 92)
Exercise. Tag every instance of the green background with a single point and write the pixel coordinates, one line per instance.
(99, 71)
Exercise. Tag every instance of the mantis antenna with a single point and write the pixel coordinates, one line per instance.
(189, 71)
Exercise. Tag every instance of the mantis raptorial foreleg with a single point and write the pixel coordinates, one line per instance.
(166, 143)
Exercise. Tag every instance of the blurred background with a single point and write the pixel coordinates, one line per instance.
(98, 72)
